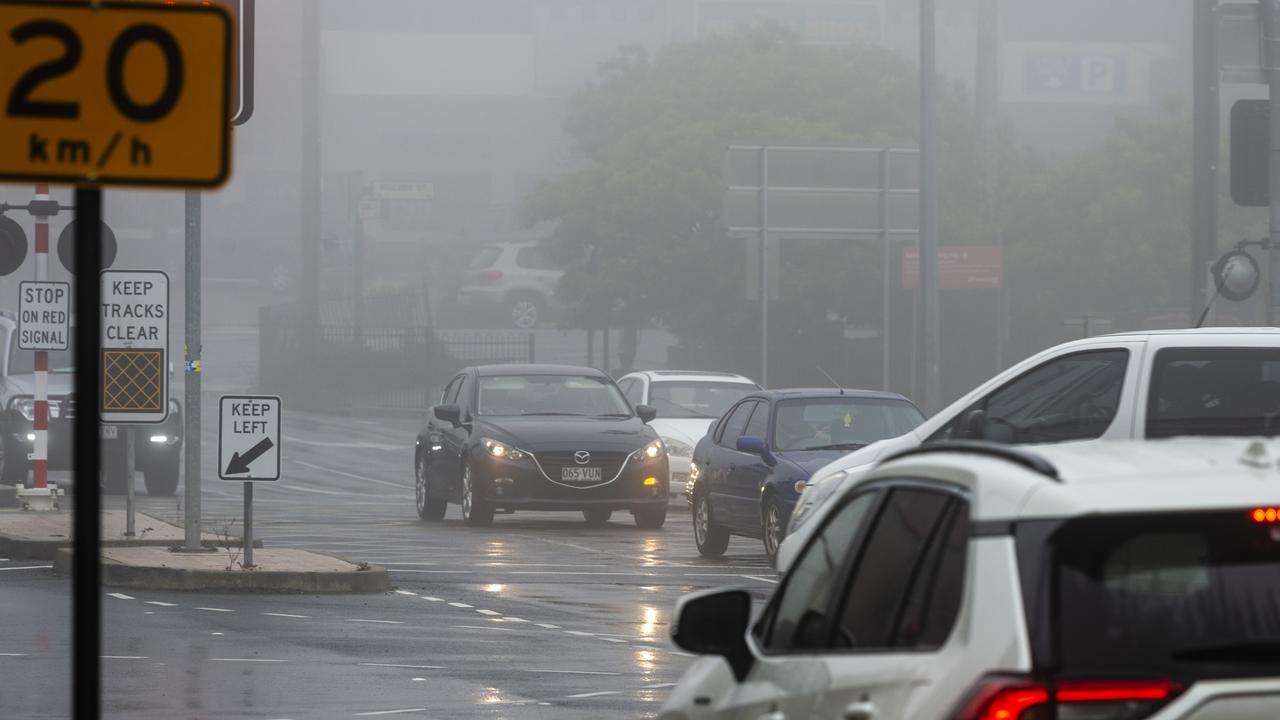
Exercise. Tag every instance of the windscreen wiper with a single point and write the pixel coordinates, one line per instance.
(547, 414)
(1265, 652)
(835, 446)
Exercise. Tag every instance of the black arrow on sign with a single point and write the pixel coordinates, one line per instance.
(240, 463)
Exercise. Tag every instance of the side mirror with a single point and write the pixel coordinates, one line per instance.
(646, 413)
(449, 413)
(714, 622)
(754, 445)
(973, 426)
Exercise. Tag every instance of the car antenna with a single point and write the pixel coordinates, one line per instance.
(833, 380)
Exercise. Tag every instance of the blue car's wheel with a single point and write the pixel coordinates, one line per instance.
(712, 540)
(773, 528)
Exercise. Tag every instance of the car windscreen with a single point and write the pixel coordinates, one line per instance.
(841, 423)
(22, 362)
(1214, 391)
(686, 399)
(485, 257)
(549, 395)
(1185, 596)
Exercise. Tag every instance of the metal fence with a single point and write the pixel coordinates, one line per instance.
(345, 367)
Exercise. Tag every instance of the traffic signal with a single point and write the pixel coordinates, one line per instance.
(67, 247)
(13, 245)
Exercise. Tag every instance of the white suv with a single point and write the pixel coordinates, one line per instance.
(517, 278)
(1156, 384)
(688, 402)
(972, 581)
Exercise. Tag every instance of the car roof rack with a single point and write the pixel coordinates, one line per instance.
(1018, 456)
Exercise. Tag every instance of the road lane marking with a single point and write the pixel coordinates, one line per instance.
(580, 633)
(261, 660)
(761, 579)
(121, 596)
(486, 627)
(548, 626)
(406, 592)
(448, 572)
(285, 615)
(124, 657)
(508, 618)
(353, 445)
(212, 609)
(380, 622)
(13, 654)
(487, 612)
(594, 694)
(459, 605)
(658, 686)
(29, 567)
(411, 667)
(612, 640)
(317, 491)
(362, 478)
(432, 599)
(390, 712)
(161, 604)
(571, 672)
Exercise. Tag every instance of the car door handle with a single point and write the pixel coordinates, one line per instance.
(859, 711)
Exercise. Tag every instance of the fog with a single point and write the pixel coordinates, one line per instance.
(594, 130)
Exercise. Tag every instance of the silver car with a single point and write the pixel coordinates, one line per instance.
(518, 279)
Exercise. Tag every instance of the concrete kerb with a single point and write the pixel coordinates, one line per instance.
(39, 536)
(152, 573)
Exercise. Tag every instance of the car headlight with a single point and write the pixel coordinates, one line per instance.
(26, 406)
(679, 448)
(652, 451)
(695, 472)
(815, 493)
(501, 450)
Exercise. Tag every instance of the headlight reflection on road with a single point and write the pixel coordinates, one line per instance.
(650, 548)
(496, 549)
(649, 627)
(495, 588)
(644, 661)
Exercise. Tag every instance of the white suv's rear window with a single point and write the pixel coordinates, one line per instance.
(1186, 596)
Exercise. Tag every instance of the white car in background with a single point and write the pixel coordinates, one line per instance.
(1153, 384)
(688, 402)
(977, 581)
(518, 279)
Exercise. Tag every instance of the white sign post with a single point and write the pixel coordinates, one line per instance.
(249, 448)
(44, 314)
(135, 359)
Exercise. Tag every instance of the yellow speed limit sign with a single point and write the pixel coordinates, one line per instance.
(115, 93)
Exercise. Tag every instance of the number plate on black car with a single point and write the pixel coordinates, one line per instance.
(581, 474)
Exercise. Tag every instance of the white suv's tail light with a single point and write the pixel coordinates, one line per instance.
(1014, 698)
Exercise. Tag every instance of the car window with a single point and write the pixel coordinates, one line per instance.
(550, 395)
(797, 618)
(889, 564)
(1075, 397)
(534, 258)
(450, 394)
(733, 426)
(485, 257)
(841, 423)
(696, 399)
(934, 602)
(758, 426)
(1214, 391)
(633, 389)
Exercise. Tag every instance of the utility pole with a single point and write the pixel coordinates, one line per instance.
(192, 369)
(930, 327)
(309, 275)
(1271, 53)
(988, 98)
(1205, 153)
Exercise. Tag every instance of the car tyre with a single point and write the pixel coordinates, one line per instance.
(476, 512)
(597, 517)
(712, 540)
(773, 528)
(162, 478)
(429, 508)
(525, 311)
(650, 518)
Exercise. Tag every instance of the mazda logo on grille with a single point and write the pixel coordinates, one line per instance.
(582, 457)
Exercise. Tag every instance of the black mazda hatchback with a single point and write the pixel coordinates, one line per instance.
(539, 437)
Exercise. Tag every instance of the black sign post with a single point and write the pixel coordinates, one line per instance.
(86, 575)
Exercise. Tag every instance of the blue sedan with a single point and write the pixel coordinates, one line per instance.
(749, 470)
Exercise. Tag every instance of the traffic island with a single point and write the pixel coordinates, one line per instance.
(37, 536)
(274, 571)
